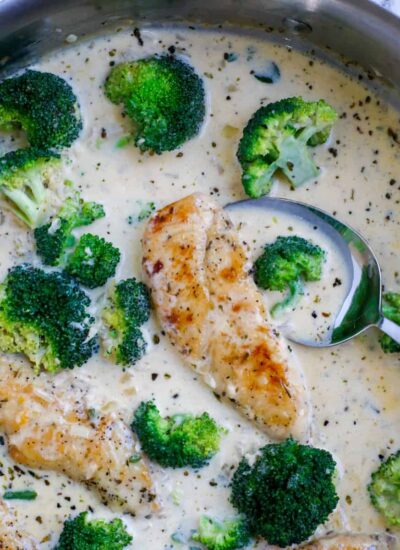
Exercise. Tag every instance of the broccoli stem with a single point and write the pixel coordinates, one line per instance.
(23, 207)
(296, 290)
(35, 185)
(307, 134)
(295, 161)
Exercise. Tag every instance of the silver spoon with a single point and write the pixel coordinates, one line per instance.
(361, 308)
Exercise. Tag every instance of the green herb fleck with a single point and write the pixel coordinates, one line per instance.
(123, 142)
(20, 495)
(146, 211)
(230, 56)
(178, 537)
(271, 75)
(135, 458)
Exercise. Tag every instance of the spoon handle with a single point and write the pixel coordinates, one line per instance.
(390, 328)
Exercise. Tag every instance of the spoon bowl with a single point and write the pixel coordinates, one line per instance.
(362, 306)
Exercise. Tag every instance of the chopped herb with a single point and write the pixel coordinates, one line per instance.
(135, 458)
(178, 537)
(146, 211)
(177, 495)
(123, 142)
(92, 414)
(271, 75)
(20, 495)
(230, 56)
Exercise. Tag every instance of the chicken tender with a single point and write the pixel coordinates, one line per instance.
(11, 535)
(214, 315)
(50, 428)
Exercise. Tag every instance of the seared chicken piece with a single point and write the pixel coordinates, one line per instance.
(214, 315)
(11, 536)
(352, 542)
(51, 429)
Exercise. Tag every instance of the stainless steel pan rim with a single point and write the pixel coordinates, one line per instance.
(356, 33)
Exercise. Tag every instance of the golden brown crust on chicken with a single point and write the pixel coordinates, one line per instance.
(11, 535)
(352, 542)
(214, 315)
(50, 429)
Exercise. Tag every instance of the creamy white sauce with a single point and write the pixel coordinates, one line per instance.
(354, 387)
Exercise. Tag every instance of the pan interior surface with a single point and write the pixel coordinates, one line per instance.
(248, 55)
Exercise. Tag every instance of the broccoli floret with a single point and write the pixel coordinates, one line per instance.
(53, 239)
(163, 96)
(127, 308)
(384, 489)
(286, 493)
(277, 138)
(226, 535)
(44, 105)
(176, 441)
(44, 315)
(285, 265)
(24, 178)
(93, 261)
(80, 533)
(391, 310)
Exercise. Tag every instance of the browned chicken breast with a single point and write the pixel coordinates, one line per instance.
(11, 535)
(352, 542)
(214, 315)
(51, 429)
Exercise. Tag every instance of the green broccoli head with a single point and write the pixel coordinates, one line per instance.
(127, 308)
(226, 535)
(163, 96)
(93, 261)
(285, 265)
(277, 137)
(24, 178)
(53, 239)
(286, 493)
(44, 105)
(384, 489)
(391, 310)
(80, 533)
(176, 441)
(45, 316)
